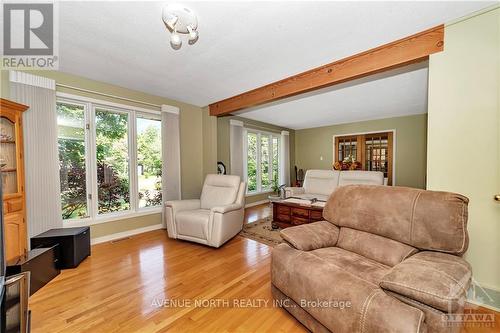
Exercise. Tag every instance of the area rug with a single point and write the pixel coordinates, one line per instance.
(262, 231)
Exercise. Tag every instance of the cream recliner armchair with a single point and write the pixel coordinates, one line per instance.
(213, 219)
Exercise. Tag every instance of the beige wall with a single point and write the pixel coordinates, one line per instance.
(209, 124)
(223, 146)
(313, 143)
(109, 228)
(191, 132)
(464, 132)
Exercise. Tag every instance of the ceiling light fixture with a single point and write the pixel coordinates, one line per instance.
(180, 20)
(175, 40)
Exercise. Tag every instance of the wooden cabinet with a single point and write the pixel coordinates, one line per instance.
(287, 214)
(12, 167)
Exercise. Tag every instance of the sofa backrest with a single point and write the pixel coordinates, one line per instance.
(321, 181)
(427, 220)
(361, 177)
(219, 190)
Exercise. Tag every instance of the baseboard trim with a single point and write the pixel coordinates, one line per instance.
(124, 234)
(487, 297)
(256, 203)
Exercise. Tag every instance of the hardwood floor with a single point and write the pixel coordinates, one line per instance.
(123, 285)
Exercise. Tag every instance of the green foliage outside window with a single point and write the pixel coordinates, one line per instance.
(112, 159)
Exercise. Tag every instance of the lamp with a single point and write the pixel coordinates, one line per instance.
(193, 35)
(170, 22)
(175, 40)
(180, 20)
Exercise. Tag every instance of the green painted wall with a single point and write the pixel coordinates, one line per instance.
(191, 132)
(464, 134)
(313, 143)
(223, 145)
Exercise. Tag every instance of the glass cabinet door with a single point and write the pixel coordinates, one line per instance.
(8, 156)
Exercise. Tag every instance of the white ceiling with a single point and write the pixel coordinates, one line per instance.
(395, 93)
(242, 45)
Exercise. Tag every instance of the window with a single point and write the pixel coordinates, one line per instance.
(149, 161)
(72, 152)
(113, 179)
(262, 161)
(373, 151)
(109, 159)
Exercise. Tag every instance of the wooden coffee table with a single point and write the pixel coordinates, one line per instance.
(287, 214)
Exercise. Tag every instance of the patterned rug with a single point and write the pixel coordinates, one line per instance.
(262, 231)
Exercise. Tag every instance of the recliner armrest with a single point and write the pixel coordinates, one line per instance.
(228, 208)
(437, 279)
(292, 191)
(180, 205)
(311, 236)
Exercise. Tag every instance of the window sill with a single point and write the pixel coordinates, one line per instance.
(111, 217)
(252, 194)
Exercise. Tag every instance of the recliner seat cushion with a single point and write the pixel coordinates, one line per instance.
(427, 220)
(307, 278)
(359, 266)
(219, 190)
(193, 223)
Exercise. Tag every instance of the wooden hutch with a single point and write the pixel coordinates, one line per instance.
(12, 171)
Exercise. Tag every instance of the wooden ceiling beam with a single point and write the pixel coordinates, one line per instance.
(399, 53)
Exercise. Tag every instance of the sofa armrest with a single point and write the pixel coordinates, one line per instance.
(180, 205)
(292, 191)
(227, 208)
(311, 236)
(436, 279)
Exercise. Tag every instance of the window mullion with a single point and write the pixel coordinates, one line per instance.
(92, 158)
(270, 154)
(132, 165)
(259, 166)
(245, 156)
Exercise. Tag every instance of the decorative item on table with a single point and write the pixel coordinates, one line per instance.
(221, 168)
(348, 163)
(299, 177)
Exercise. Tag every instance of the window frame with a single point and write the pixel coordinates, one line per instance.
(90, 106)
(259, 134)
(391, 179)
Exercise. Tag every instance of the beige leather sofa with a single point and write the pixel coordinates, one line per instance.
(320, 184)
(393, 253)
(214, 218)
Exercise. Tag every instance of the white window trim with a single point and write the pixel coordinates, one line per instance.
(259, 134)
(90, 105)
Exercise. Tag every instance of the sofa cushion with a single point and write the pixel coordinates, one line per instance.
(427, 220)
(361, 177)
(437, 279)
(193, 223)
(311, 236)
(321, 181)
(219, 190)
(340, 300)
(364, 268)
(381, 249)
